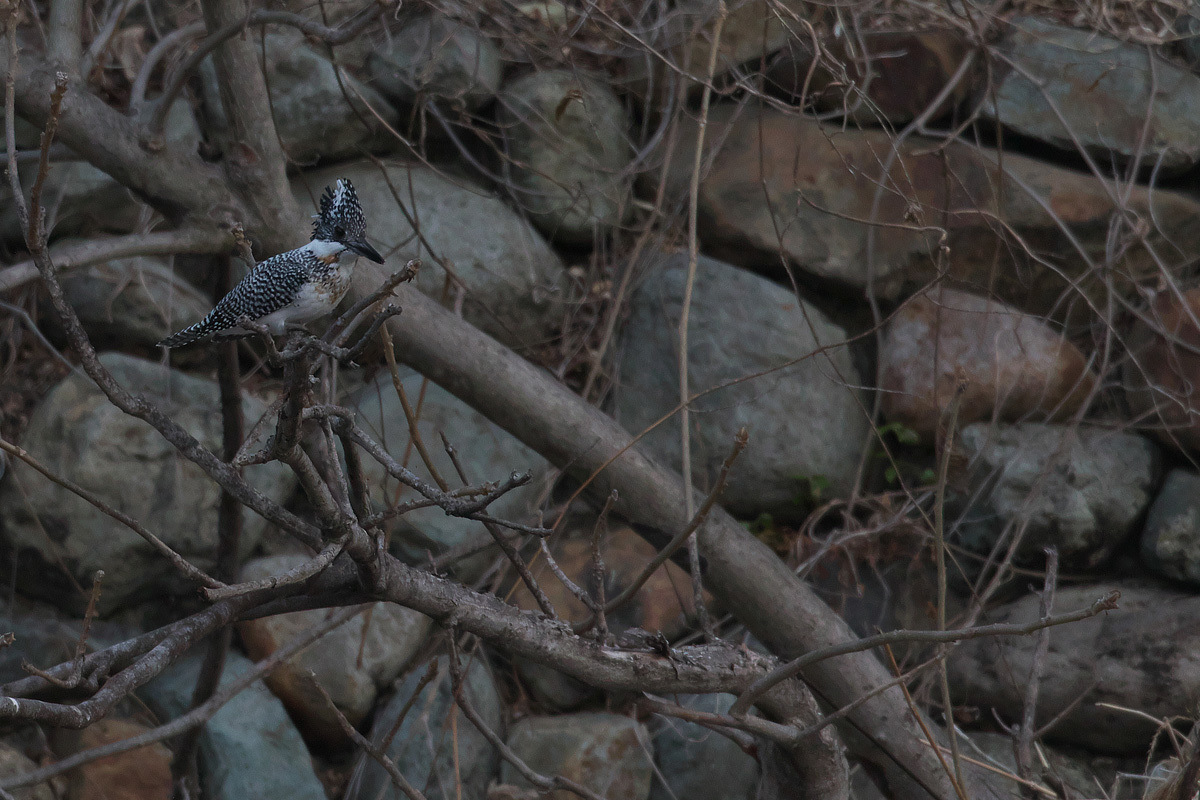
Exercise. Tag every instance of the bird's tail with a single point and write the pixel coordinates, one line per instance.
(193, 333)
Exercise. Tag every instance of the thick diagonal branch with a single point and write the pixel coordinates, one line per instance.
(174, 182)
(255, 162)
(742, 572)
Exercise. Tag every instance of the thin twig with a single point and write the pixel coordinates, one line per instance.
(410, 416)
(582, 594)
(101, 41)
(27, 320)
(450, 504)
(365, 745)
(35, 227)
(11, 22)
(347, 322)
(599, 531)
(76, 674)
(949, 769)
(723, 723)
(510, 552)
(1068, 709)
(137, 95)
(680, 538)
(298, 574)
(1042, 790)
(939, 544)
(174, 85)
(1024, 735)
(685, 316)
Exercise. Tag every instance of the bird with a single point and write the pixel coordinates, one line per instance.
(293, 288)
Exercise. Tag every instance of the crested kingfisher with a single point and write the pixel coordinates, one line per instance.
(296, 287)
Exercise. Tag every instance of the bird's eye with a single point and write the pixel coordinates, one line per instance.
(339, 232)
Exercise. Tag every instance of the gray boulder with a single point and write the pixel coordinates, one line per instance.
(315, 117)
(804, 421)
(1187, 26)
(567, 137)
(352, 662)
(78, 198)
(607, 753)
(14, 762)
(1081, 772)
(439, 58)
(130, 301)
(78, 434)
(513, 285)
(487, 453)
(1078, 489)
(1104, 90)
(250, 748)
(1171, 537)
(431, 759)
(1141, 655)
(699, 763)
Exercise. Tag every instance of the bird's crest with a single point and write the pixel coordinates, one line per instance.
(341, 216)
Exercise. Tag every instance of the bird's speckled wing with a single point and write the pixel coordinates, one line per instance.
(270, 286)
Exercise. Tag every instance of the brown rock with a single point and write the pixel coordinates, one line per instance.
(1162, 373)
(752, 28)
(663, 604)
(609, 754)
(895, 75)
(782, 184)
(1015, 367)
(141, 774)
(352, 662)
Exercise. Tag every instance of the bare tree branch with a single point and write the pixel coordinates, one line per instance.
(178, 641)
(64, 39)
(192, 719)
(742, 572)
(98, 251)
(256, 165)
(174, 182)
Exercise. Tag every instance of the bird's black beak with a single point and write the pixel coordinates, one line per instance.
(363, 248)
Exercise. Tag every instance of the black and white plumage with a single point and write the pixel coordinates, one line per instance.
(298, 286)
